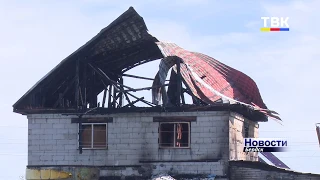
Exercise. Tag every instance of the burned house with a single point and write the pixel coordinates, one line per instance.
(73, 136)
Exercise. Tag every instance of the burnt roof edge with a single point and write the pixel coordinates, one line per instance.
(87, 45)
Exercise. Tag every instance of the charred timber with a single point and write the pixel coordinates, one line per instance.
(139, 77)
(77, 82)
(64, 92)
(145, 88)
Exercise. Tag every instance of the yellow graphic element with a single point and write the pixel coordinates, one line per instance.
(265, 29)
(36, 174)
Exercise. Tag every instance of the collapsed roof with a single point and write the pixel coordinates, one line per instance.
(101, 64)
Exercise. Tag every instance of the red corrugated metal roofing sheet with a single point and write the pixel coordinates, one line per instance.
(210, 79)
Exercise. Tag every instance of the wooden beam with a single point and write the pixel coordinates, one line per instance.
(65, 81)
(139, 77)
(178, 61)
(145, 88)
(136, 64)
(61, 100)
(80, 134)
(133, 102)
(93, 96)
(182, 97)
(77, 81)
(146, 102)
(125, 94)
(85, 86)
(114, 98)
(81, 98)
(104, 97)
(64, 92)
(106, 77)
(109, 96)
(120, 93)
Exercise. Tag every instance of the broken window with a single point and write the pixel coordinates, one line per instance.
(94, 135)
(174, 135)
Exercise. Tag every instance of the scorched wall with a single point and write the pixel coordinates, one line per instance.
(133, 141)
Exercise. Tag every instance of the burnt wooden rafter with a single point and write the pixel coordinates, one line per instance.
(115, 89)
(133, 102)
(84, 86)
(64, 92)
(179, 83)
(88, 82)
(145, 88)
(135, 65)
(62, 84)
(139, 77)
(113, 104)
(121, 93)
(77, 82)
(146, 102)
(104, 97)
(109, 95)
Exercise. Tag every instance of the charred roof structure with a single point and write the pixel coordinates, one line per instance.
(100, 65)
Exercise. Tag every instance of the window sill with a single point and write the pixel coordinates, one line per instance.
(174, 147)
(94, 148)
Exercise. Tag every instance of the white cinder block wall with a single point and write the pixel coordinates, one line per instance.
(237, 135)
(53, 140)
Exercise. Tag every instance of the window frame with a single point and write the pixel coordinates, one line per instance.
(92, 138)
(174, 142)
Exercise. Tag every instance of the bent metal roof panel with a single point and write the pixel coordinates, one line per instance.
(125, 44)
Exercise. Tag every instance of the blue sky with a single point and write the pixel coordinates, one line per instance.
(36, 35)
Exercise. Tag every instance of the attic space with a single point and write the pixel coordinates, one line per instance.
(96, 76)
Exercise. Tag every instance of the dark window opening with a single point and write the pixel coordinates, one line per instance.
(174, 135)
(246, 131)
(94, 136)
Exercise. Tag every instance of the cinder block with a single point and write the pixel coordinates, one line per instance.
(62, 162)
(67, 142)
(67, 147)
(49, 131)
(64, 121)
(58, 158)
(62, 131)
(34, 148)
(58, 136)
(52, 120)
(36, 131)
(34, 126)
(72, 136)
(71, 126)
(33, 158)
(46, 136)
(126, 141)
(46, 126)
(45, 147)
(44, 157)
(58, 125)
(123, 135)
(39, 121)
(50, 142)
(137, 129)
(206, 135)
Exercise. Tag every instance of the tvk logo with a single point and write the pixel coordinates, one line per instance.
(275, 24)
